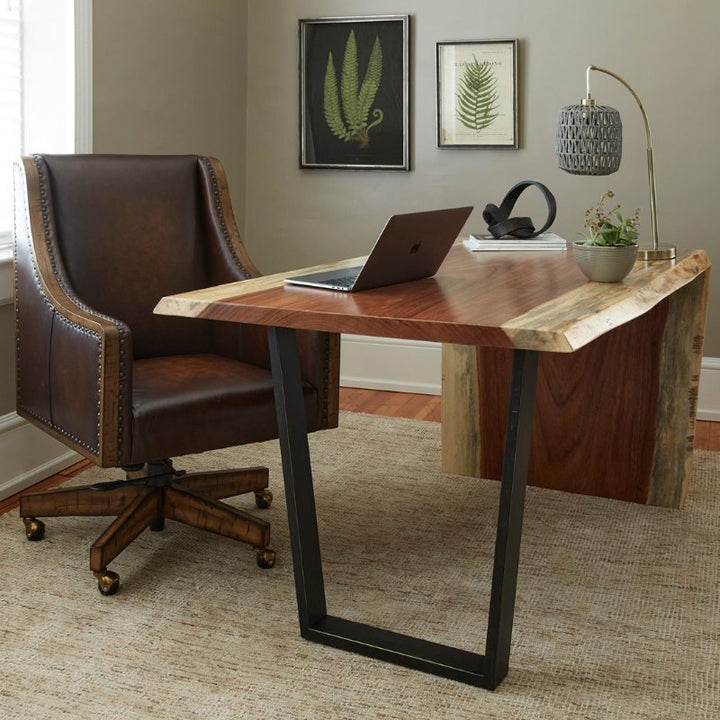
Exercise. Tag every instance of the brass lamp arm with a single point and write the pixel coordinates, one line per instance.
(632, 92)
(655, 252)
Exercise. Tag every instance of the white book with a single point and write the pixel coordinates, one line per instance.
(545, 241)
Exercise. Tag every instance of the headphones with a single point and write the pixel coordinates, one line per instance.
(500, 223)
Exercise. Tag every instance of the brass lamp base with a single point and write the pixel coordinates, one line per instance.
(661, 252)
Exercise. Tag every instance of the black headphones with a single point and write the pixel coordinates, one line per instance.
(500, 223)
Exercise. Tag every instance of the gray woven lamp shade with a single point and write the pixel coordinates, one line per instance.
(588, 140)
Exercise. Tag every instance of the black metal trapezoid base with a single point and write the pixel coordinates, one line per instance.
(486, 670)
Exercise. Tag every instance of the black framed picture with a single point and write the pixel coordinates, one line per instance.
(354, 92)
(477, 94)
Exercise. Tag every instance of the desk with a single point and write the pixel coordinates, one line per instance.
(614, 418)
(531, 305)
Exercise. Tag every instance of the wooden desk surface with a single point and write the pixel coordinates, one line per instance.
(534, 301)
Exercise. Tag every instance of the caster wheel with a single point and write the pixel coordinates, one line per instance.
(263, 499)
(265, 558)
(108, 582)
(34, 529)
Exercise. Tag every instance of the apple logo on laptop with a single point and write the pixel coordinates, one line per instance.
(415, 248)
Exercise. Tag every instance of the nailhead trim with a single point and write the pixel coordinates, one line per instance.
(221, 215)
(48, 228)
(325, 349)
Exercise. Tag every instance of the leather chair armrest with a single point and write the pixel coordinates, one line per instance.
(90, 384)
(76, 396)
(320, 352)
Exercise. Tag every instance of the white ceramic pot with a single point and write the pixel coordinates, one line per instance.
(605, 264)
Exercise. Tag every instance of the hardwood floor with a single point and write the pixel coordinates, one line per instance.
(14, 500)
(427, 407)
(392, 404)
(707, 435)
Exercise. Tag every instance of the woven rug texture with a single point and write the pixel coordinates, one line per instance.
(617, 614)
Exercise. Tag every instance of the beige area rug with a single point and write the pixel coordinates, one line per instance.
(618, 612)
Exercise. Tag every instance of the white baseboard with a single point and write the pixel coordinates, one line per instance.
(709, 397)
(28, 455)
(389, 364)
(415, 366)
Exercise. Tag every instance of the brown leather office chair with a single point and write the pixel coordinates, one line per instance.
(99, 240)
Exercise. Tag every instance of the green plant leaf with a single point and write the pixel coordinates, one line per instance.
(331, 102)
(371, 81)
(349, 85)
(477, 98)
(609, 228)
(347, 111)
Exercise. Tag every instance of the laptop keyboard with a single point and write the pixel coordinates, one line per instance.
(346, 281)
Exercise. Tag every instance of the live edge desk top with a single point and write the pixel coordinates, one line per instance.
(532, 301)
(640, 340)
(638, 346)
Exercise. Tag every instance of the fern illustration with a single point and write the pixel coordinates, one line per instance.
(333, 118)
(477, 98)
(347, 111)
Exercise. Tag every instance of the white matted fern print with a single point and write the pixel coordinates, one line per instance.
(477, 94)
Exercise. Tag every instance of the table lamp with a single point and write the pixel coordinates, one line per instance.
(588, 141)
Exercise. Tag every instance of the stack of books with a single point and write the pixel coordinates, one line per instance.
(544, 241)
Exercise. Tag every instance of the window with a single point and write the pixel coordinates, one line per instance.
(10, 106)
(45, 87)
(45, 94)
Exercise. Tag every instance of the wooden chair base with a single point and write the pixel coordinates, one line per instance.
(149, 497)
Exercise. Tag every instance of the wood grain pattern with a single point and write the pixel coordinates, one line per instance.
(220, 484)
(192, 509)
(391, 404)
(605, 416)
(124, 529)
(535, 301)
(461, 434)
(594, 420)
(78, 501)
(615, 418)
(583, 314)
(680, 361)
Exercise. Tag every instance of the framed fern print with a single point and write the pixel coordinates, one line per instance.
(477, 94)
(354, 92)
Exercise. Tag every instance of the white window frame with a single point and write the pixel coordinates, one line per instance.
(12, 105)
(29, 454)
(78, 132)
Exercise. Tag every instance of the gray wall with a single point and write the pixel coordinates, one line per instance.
(663, 48)
(169, 76)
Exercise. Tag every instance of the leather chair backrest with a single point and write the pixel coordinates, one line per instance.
(131, 229)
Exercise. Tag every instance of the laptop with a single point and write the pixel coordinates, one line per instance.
(410, 247)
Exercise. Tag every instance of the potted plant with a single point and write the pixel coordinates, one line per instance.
(608, 248)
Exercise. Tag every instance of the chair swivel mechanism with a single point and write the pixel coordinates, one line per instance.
(99, 239)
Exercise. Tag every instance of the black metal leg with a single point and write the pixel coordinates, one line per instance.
(510, 514)
(300, 499)
(315, 624)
